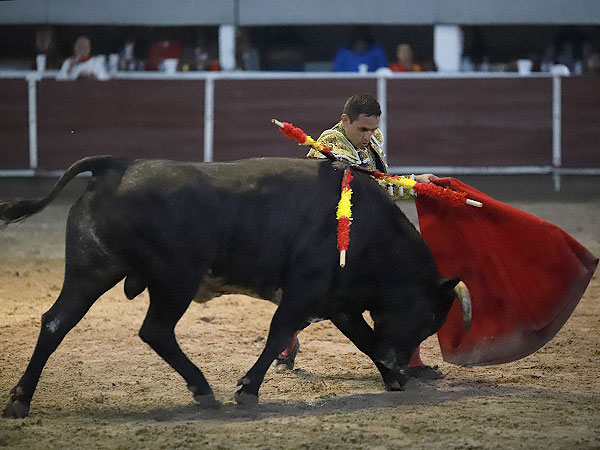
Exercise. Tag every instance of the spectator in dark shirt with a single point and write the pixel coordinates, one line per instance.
(45, 44)
(362, 50)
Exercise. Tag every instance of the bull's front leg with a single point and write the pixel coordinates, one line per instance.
(354, 327)
(281, 330)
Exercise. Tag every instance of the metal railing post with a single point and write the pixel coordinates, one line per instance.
(556, 129)
(382, 99)
(209, 118)
(32, 109)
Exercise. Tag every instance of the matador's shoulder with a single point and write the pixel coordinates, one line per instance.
(339, 145)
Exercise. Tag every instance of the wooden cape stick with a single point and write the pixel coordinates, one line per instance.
(299, 136)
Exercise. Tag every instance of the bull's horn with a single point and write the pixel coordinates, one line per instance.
(462, 292)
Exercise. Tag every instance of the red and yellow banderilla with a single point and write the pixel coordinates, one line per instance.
(344, 216)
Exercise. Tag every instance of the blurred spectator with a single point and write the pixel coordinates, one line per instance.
(547, 58)
(592, 66)
(566, 55)
(82, 64)
(161, 50)
(127, 57)
(247, 55)
(202, 53)
(405, 63)
(570, 45)
(361, 52)
(587, 52)
(45, 44)
(466, 64)
(485, 65)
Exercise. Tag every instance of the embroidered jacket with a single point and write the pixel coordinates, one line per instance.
(370, 157)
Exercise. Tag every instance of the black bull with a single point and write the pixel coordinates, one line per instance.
(268, 226)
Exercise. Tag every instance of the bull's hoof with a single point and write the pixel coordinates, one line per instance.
(395, 381)
(207, 401)
(394, 386)
(246, 400)
(16, 409)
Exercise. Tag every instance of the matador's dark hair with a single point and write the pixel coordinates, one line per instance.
(362, 104)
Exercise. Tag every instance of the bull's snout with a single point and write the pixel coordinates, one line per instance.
(464, 297)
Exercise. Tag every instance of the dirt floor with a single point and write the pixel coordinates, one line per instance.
(104, 388)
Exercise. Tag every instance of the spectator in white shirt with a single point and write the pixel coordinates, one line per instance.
(82, 64)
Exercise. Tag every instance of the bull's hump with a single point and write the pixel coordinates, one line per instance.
(247, 174)
(143, 174)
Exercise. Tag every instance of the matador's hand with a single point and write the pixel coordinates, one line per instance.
(425, 178)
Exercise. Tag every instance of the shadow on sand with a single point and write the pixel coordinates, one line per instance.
(417, 393)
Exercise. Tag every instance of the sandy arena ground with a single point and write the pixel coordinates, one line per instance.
(104, 388)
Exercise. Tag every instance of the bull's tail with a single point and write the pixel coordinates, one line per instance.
(15, 210)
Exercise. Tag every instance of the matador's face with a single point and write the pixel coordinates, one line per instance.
(360, 131)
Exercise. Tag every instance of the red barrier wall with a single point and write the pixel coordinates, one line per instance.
(434, 122)
(470, 122)
(136, 118)
(14, 128)
(581, 122)
(244, 109)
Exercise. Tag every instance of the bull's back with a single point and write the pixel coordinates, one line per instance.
(235, 176)
(238, 219)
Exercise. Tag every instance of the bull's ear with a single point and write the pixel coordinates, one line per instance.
(448, 284)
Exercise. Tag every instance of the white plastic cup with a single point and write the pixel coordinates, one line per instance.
(113, 63)
(524, 66)
(101, 61)
(40, 63)
(170, 65)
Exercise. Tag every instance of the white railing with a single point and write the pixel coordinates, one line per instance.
(556, 169)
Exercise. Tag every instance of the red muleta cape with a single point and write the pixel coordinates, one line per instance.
(525, 275)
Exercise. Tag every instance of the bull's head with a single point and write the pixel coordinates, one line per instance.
(417, 316)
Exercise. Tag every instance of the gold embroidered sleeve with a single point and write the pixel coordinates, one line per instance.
(378, 135)
(335, 142)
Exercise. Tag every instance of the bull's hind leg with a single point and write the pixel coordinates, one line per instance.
(90, 271)
(81, 288)
(158, 331)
